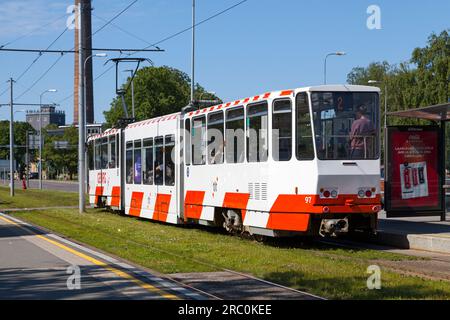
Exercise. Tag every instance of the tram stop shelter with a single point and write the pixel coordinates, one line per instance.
(416, 182)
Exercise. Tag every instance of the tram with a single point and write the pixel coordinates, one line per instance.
(304, 161)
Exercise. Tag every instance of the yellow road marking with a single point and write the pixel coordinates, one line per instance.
(118, 272)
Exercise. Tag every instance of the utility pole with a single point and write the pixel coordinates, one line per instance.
(86, 51)
(11, 141)
(193, 54)
(76, 72)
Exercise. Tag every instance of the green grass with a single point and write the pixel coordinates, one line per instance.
(328, 272)
(33, 198)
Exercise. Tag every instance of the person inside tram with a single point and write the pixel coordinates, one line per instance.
(159, 173)
(360, 134)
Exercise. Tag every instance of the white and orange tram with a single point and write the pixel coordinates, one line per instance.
(303, 161)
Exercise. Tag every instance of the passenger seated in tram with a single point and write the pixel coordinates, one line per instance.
(159, 173)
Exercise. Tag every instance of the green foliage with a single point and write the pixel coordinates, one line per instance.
(157, 91)
(421, 81)
(20, 134)
(61, 159)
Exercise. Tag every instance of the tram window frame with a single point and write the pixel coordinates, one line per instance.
(137, 167)
(90, 152)
(276, 152)
(310, 154)
(112, 150)
(147, 149)
(104, 154)
(231, 154)
(216, 124)
(260, 155)
(187, 142)
(199, 151)
(117, 150)
(159, 151)
(129, 171)
(97, 154)
(169, 147)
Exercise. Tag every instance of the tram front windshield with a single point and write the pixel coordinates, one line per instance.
(346, 125)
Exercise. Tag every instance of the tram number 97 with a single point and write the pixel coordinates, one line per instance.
(308, 199)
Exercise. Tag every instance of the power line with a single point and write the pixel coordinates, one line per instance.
(168, 38)
(59, 58)
(31, 32)
(197, 24)
(124, 30)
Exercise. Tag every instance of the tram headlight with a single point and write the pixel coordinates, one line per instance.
(361, 193)
(334, 193)
(327, 193)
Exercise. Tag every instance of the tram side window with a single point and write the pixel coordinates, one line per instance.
(159, 161)
(91, 155)
(112, 152)
(168, 157)
(129, 162)
(235, 135)
(282, 130)
(147, 161)
(104, 152)
(257, 132)
(187, 142)
(215, 138)
(137, 162)
(198, 140)
(117, 151)
(304, 145)
(97, 154)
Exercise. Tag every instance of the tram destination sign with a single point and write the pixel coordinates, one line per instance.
(413, 180)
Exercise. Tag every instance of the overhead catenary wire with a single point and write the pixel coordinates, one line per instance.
(59, 58)
(32, 32)
(169, 38)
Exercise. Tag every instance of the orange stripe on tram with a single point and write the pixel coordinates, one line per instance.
(193, 204)
(115, 197)
(284, 214)
(235, 200)
(136, 204)
(162, 206)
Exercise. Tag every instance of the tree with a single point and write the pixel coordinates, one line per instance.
(421, 81)
(61, 159)
(157, 91)
(20, 133)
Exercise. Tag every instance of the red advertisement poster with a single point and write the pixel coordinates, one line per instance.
(414, 182)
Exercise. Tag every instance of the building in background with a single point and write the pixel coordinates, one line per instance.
(49, 116)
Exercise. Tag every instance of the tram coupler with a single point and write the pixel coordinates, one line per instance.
(333, 227)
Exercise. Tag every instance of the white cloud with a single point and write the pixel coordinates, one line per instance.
(18, 17)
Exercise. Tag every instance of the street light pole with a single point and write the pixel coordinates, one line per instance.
(132, 92)
(82, 138)
(40, 134)
(193, 54)
(339, 53)
(11, 142)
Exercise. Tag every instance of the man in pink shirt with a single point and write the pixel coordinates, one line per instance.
(361, 135)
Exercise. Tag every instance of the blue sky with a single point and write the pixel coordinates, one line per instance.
(259, 46)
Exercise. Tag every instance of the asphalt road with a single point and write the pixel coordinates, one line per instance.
(39, 265)
(68, 186)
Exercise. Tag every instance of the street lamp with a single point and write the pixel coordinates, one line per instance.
(40, 134)
(338, 53)
(82, 137)
(132, 91)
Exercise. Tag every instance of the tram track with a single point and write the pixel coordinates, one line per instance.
(178, 256)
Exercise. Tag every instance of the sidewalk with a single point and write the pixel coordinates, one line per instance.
(421, 233)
